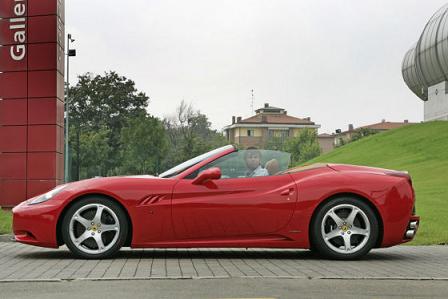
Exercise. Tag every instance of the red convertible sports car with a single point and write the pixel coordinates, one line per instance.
(227, 198)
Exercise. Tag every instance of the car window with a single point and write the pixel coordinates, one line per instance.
(187, 164)
(249, 163)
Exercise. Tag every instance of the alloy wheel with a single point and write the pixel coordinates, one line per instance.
(94, 228)
(345, 229)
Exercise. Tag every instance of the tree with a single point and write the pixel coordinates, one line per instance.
(189, 134)
(108, 100)
(103, 102)
(92, 153)
(362, 132)
(143, 144)
(275, 143)
(303, 147)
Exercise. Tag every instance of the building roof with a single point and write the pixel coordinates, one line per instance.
(272, 117)
(386, 125)
(381, 126)
(283, 119)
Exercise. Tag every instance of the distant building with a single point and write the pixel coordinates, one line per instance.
(268, 123)
(425, 66)
(344, 137)
(326, 142)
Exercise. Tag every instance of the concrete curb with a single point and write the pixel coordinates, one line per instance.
(7, 238)
(2, 281)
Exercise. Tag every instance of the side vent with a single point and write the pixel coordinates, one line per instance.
(151, 199)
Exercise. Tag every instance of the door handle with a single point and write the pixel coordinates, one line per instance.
(287, 192)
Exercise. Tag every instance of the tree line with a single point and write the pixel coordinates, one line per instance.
(111, 131)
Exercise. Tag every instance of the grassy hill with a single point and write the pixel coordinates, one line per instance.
(421, 149)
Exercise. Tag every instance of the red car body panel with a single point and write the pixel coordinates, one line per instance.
(233, 207)
(272, 211)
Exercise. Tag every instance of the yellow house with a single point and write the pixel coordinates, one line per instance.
(268, 122)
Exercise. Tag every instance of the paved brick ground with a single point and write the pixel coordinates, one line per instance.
(21, 262)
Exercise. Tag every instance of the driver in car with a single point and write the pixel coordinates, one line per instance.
(252, 156)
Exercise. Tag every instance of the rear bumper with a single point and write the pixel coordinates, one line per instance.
(35, 224)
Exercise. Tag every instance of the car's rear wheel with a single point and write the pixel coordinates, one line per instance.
(344, 228)
(94, 228)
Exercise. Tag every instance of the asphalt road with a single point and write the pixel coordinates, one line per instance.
(228, 288)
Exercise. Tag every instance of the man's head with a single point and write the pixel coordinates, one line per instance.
(252, 156)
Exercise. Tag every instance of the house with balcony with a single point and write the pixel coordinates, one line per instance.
(268, 123)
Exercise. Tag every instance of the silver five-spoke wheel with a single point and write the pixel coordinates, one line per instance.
(344, 228)
(95, 228)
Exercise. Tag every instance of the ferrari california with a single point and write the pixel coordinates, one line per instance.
(227, 198)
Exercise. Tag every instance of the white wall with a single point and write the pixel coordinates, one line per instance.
(436, 107)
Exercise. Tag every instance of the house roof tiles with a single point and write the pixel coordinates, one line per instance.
(275, 119)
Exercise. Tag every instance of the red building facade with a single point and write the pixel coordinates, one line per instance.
(31, 98)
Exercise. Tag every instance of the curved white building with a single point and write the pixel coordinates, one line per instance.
(425, 66)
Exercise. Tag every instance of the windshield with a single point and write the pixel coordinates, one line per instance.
(187, 164)
(249, 163)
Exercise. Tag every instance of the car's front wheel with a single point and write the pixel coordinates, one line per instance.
(344, 228)
(94, 228)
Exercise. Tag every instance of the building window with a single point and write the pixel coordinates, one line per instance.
(250, 132)
(278, 136)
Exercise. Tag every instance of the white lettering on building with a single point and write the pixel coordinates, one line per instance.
(18, 26)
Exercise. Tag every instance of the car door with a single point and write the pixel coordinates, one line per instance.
(232, 207)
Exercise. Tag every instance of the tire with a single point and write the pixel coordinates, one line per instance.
(313, 251)
(344, 228)
(94, 228)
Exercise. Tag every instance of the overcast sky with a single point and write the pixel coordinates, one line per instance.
(335, 61)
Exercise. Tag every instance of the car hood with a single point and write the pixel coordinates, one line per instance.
(101, 182)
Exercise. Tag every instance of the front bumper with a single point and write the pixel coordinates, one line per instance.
(36, 224)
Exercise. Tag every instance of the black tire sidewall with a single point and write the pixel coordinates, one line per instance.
(318, 242)
(122, 218)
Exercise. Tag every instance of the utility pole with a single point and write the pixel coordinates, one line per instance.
(69, 53)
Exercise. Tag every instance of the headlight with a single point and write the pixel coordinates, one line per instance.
(47, 196)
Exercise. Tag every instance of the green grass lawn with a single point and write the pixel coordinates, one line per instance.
(5, 222)
(421, 149)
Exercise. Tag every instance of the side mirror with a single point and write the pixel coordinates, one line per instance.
(213, 173)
